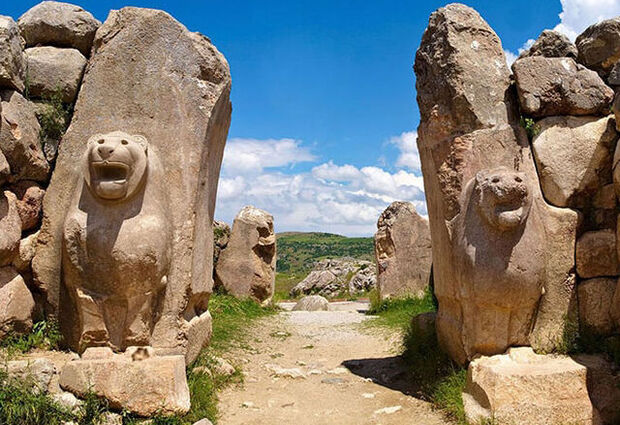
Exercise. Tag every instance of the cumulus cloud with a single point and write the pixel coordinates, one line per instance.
(330, 197)
(577, 15)
(407, 144)
(510, 57)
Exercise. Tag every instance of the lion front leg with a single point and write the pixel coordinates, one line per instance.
(93, 329)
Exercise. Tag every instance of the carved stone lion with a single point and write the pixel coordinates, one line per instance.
(500, 262)
(116, 243)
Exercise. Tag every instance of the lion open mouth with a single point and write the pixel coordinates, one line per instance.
(111, 172)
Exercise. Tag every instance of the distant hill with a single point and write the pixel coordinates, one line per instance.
(297, 251)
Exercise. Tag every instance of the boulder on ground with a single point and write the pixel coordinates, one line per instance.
(19, 138)
(552, 44)
(574, 158)
(312, 303)
(364, 280)
(59, 24)
(247, 266)
(332, 277)
(136, 381)
(39, 372)
(523, 388)
(599, 45)
(10, 227)
(29, 203)
(603, 386)
(12, 65)
(403, 251)
(596, 254)
(595, 298)
(559, 86)
(16, 304)
(53, 70)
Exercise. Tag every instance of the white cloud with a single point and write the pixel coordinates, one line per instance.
(577, 15)
(332, 198)
(510, 57)
(409, 156)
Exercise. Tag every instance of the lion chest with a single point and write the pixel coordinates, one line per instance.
(115, 257)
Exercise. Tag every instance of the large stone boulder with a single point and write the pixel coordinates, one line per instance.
(559, 86)
(19, 138)
(603, 386)
(551, 44)
(337, 276)
(136, 381)
(38, 372)
(59, 24)
(503, 259)
(53, 70)
(29, 203)
(599, 45)
(595, 298)
(16, 304)
(403, 251)
(596, 254)
(574, 158)
(221, 236)
(247, 266)
(10, 227)
(12, 65)
(523, 388)
(125, 251)
(312, 303)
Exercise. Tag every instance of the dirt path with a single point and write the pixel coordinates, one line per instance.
(319, 368)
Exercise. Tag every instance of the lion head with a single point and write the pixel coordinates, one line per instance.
(503, 197)
(115, 164)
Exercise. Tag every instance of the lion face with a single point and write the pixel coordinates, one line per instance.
(503, 197)
(115, 164)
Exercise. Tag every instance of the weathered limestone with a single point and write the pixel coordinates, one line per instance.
(12, 66)
(25, 254)
(52, 69)
(136, 381)
(330, 277)
(29, 203)
(595, 297)
(134, 182)
(480, 182)
(599, 45)
(16, 304)
(596, 254)
(221, 236)
(551, 44)
(10, 227)
(59, 24)
(603, 386)
(312, 303)
(403, 251)
(37, 371)
(523, 388)
(559, 86)
(574, 158)
(19, 138)
(247, 267)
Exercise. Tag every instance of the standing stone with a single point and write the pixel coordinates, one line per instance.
(482, 193)
(599, 45)
(19, 138)
(596, 254)
(12, 66)
(574, 158)
(16, 304)
(247, 267)
(155, 98)
(59, 24)
(10, 227)
(595, 297)
(402, 251)
(523, 388)
(559, 86)
(52, 69)
(551, 44)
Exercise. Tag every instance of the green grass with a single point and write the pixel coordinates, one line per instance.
(44, 335)
(397, 312)
(284, 283)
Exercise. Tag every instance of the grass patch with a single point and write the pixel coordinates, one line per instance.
(45, 335)
(397, 312)
(284, 283)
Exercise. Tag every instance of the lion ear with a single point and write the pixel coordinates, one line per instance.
(94, 138)
(142, 141)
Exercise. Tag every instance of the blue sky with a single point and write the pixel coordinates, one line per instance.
(324, 111)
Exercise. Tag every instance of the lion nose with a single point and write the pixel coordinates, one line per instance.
(105, 151)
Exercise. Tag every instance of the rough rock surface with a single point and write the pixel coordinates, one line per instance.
(53, 69)
(136, 381)
(221, 236)
(403, 251)
(468, 125)
(552, 44)
(312, 303)
(596, 254)
(330, 277)
(10, 227)
(559, 86)
(29, 203)
(247, 267)
(19, 138)
(12, 65)
(24, 257)
(574, 158)
(165, 91)
(16, 304)
(599, 45)
(523, 388)
(595, 298)
(38, 371)
(59, 24)
(603, 386)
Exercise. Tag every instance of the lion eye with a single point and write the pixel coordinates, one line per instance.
(124, 142)
(100, 141)
(518, 179)
(495, 180)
